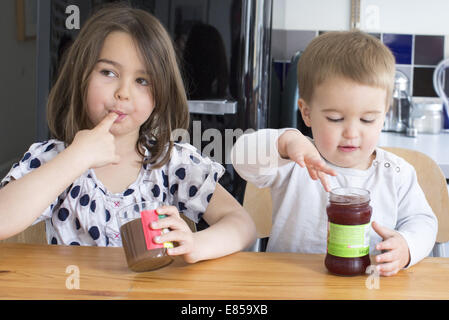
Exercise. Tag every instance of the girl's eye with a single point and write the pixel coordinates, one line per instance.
(334, 119)
(142, 81)
(107, 73)
(367, 121)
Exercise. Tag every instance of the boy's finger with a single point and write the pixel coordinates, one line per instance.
(382, 231)
(388, 244)
(312, 173)
(108, 121)
(388, 269)
(386, 257)
(323, 178)
(299, 159)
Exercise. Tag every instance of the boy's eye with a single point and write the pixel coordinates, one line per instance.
(367, 120)
(142, 81)
(334, 119)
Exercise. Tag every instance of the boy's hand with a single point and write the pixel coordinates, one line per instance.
(97, 145)
(397, 254)
(294, 146)
(179, 232)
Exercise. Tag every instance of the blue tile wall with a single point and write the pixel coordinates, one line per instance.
(400, 45)
(429, 50)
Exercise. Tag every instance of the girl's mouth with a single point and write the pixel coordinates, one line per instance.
(120, 117)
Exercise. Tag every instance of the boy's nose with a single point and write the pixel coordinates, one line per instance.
(350, 132)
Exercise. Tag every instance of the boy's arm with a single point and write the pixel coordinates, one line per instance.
(416, 221)
(253, 164)
(255, 156)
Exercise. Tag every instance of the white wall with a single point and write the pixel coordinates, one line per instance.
(394, 16)
(17, 90)
(311, 15)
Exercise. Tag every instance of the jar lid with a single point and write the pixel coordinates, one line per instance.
(427, 103)
(349, 196)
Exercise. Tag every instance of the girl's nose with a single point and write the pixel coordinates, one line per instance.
(122, 92)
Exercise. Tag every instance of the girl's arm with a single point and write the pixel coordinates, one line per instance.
(231, 228)
(23, 200)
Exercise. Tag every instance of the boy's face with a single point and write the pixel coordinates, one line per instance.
(120, 84)
(346, 120)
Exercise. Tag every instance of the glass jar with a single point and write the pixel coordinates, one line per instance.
(349, 215)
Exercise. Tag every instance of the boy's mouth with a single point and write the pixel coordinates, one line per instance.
(347, 148)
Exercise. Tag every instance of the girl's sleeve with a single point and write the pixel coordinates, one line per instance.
(256, 158)
(37, 155)
(192, 180)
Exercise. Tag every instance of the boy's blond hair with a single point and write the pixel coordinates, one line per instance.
(353, 55)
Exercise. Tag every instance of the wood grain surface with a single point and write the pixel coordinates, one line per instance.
(31, 271)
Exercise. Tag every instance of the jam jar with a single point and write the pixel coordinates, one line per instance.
(349, 215)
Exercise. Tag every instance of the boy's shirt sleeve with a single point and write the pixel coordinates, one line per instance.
(256, 158)
(416, 221)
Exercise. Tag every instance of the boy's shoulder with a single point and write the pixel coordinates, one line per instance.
(392, 161)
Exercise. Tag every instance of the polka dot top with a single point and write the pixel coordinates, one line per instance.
(85, 213)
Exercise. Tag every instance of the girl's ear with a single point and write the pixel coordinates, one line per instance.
(305, 111)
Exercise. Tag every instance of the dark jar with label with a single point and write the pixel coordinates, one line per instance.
(349, 215)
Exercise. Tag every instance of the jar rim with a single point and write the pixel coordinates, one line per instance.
(349, 195)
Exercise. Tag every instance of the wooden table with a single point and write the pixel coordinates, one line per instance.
(39, 272)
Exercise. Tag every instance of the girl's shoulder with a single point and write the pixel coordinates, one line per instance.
(38, 154)
(187, 161)
(52, 146)
(187, 154)
(41, 152)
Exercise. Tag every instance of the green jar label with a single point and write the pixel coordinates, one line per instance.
(348, 241)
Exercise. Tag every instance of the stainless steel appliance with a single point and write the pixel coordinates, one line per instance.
(398, 116)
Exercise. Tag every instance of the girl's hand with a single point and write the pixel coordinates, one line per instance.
(397, 254)
(296, 147)
(97, 145)
(179, 232)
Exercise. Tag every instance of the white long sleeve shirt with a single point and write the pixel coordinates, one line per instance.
(299, 218)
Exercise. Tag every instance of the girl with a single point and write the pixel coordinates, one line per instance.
(118, 97)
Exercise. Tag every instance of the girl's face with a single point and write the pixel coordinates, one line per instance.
(346, 120)
(119, 83)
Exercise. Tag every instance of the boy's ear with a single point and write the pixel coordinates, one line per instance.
(305, 111)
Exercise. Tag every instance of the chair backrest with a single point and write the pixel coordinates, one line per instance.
(34, 234)
(432, 181)
(430, 177)
(257, 203)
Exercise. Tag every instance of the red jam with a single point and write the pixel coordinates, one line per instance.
(349, 215)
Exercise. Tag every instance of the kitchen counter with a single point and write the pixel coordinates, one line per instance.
(435, 146)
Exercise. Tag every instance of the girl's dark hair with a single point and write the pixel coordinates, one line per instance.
(67, 107)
